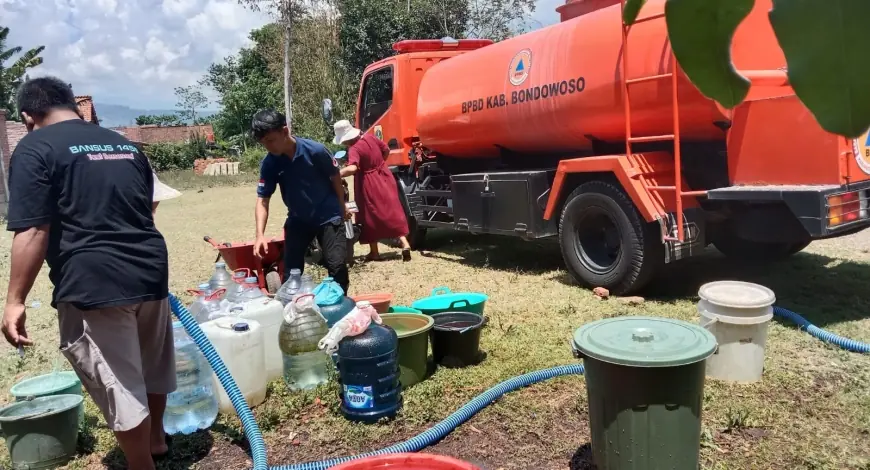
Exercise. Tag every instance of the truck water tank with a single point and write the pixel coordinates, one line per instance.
(554, 89)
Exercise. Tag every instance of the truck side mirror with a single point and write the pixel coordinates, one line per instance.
(326, 111)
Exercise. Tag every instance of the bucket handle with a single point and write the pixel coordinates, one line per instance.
(456, 303)
(481, 325)
(713, 321)
(441, 290)
(247, 271)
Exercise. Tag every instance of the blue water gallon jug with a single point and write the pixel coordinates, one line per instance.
(335, 312)
(368, 367)
(193, 405)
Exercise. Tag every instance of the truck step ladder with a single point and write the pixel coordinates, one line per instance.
(630, 139)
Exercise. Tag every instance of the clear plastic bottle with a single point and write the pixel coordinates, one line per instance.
(305, 366)
(307, 285)
(290, 288)
(250, 291)
(196, 308)
(237, 286)
(221, 278)
(193, 405)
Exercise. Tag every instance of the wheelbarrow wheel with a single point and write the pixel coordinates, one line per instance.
(273, 282)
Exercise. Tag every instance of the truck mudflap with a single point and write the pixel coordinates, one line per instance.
(824, 211)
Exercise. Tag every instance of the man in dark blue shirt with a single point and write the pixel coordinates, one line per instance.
(311, 188)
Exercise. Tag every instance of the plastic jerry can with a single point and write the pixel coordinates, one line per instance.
(239, 343)
(368, 368)
(269, 313)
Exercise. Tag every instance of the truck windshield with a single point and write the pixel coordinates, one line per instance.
(377, 96)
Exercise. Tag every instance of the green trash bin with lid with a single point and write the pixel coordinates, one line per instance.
(645, 383)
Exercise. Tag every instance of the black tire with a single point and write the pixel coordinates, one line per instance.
(732, 246)
(625, 254)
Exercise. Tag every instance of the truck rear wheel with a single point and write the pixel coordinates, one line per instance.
(605, 241)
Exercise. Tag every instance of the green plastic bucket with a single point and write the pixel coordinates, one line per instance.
(443, 300)
(638, 417)
(41, 433)
(401, 309)
(56, 383)
(413, 332)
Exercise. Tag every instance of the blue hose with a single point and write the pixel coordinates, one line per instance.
(418, 442)
(826, 336)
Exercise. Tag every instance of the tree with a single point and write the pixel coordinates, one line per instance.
(13, 76)
(163, 120)
(497, 19)
(190, 99)
(824, 42)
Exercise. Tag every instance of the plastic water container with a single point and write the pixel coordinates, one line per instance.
(239, 343)
(220, 278)
(335, 312)
(239, 278)
(196, 307)
(269, 313)
(193, 405)
(368, 366)
(290, 288)
(738, 314)
(305, 366)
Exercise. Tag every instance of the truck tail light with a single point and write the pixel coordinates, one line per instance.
(848, 207)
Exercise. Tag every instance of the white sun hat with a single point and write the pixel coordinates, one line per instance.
(345, 131)
(163, 192)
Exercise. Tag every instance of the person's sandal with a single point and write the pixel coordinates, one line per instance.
(406, 254)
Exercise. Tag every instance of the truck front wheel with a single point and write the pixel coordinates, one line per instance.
(605, 241)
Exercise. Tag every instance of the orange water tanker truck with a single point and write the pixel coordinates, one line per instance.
(589, 132)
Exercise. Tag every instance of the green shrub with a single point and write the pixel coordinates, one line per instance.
(250, 159)
(170, 156)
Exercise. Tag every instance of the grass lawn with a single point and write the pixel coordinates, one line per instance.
(811, 410)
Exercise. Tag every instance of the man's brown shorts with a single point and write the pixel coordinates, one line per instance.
(121, 354)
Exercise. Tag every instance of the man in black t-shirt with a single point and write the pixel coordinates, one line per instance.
(81, 199)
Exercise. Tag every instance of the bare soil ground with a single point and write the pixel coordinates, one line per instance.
(811, 411)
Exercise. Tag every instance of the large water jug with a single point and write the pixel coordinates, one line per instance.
(207, 305)
(220, 278)
(335, 312)
(238, 285)
(368, 366)
(305, 366)
(193, 405)
(269, 313)
(307, 286)
(290, 288)
(239, 342)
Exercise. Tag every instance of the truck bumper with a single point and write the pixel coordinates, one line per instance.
(811, 205)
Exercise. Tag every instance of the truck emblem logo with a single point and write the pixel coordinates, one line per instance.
(519, 69)
(861, 149)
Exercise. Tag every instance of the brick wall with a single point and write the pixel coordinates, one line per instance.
(154, 134)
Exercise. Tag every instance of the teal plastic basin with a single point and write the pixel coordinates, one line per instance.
(402, 309)
(443, 300)
(55, 383)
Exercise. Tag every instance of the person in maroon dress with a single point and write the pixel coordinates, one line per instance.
(374, 187)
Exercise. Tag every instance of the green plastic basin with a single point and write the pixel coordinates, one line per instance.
(443, 300)
(41, 433)
(401, 309)
(56, 383)
(413, 332)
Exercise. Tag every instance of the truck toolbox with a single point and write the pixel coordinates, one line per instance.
(504, 203)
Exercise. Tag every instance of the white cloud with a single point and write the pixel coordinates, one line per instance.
(135, 52)
(132, 52)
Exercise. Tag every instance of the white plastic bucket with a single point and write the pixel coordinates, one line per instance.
(738, 314)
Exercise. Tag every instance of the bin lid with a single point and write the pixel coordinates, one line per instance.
(737, 294)
(644, 341)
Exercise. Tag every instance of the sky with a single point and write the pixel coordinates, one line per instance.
(135, 52)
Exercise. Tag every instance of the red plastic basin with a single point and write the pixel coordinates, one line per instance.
(407, 462)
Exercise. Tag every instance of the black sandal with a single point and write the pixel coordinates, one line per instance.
(406, 254)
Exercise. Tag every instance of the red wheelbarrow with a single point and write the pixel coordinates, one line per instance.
(240, 255)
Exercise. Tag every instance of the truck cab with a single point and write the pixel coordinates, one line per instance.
(387, 101)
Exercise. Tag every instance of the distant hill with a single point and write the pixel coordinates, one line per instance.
(115, 115)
